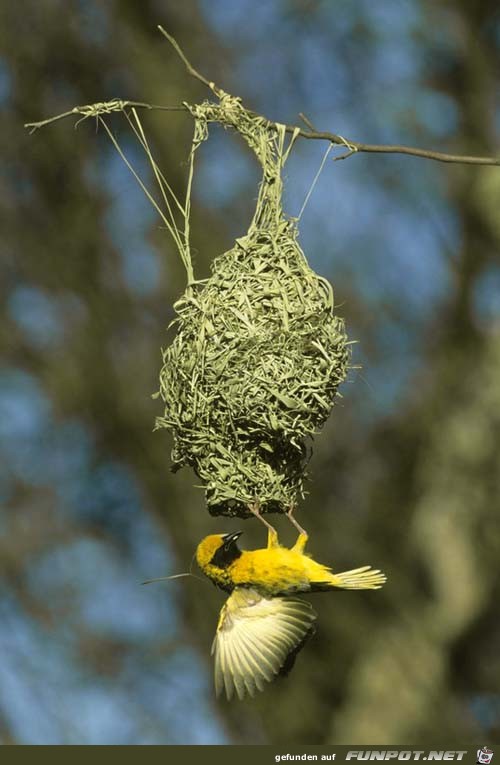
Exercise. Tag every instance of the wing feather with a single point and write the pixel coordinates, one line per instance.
(260, 657)
(237, 671)
(255, 637)
(246, 665)
(251, 654)
(254, 664)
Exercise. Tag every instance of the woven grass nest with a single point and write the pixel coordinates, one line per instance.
(253, 370)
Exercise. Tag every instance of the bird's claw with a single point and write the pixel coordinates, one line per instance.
(303, 535)
(271, 531)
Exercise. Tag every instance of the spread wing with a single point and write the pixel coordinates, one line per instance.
(258, 638)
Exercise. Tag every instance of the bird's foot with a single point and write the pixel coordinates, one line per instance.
(272, 539)
(272, 534)
(300, 543)
(303, 535)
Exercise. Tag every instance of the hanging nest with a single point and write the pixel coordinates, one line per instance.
(258, 356)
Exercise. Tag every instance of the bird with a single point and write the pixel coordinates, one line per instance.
(263, 624)
(276, 570)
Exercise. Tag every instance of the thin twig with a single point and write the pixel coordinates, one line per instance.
(311, 134)
(190, 68)
(106, 107)
(305, 119)
(438, 156)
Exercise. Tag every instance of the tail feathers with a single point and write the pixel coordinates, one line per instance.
(364, 578)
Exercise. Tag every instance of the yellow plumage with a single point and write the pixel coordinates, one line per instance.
(276, 570)
(262, 626)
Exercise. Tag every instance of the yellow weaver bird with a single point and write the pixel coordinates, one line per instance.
(262, 626)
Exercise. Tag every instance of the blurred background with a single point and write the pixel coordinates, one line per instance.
(405, 476)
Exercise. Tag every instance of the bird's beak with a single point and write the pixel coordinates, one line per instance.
(232, 537)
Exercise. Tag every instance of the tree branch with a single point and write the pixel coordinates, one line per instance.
(353, 147)
(375, 148)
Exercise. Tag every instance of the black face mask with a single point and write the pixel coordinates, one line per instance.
(226, 554)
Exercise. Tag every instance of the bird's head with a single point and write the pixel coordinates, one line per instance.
(216, 552)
